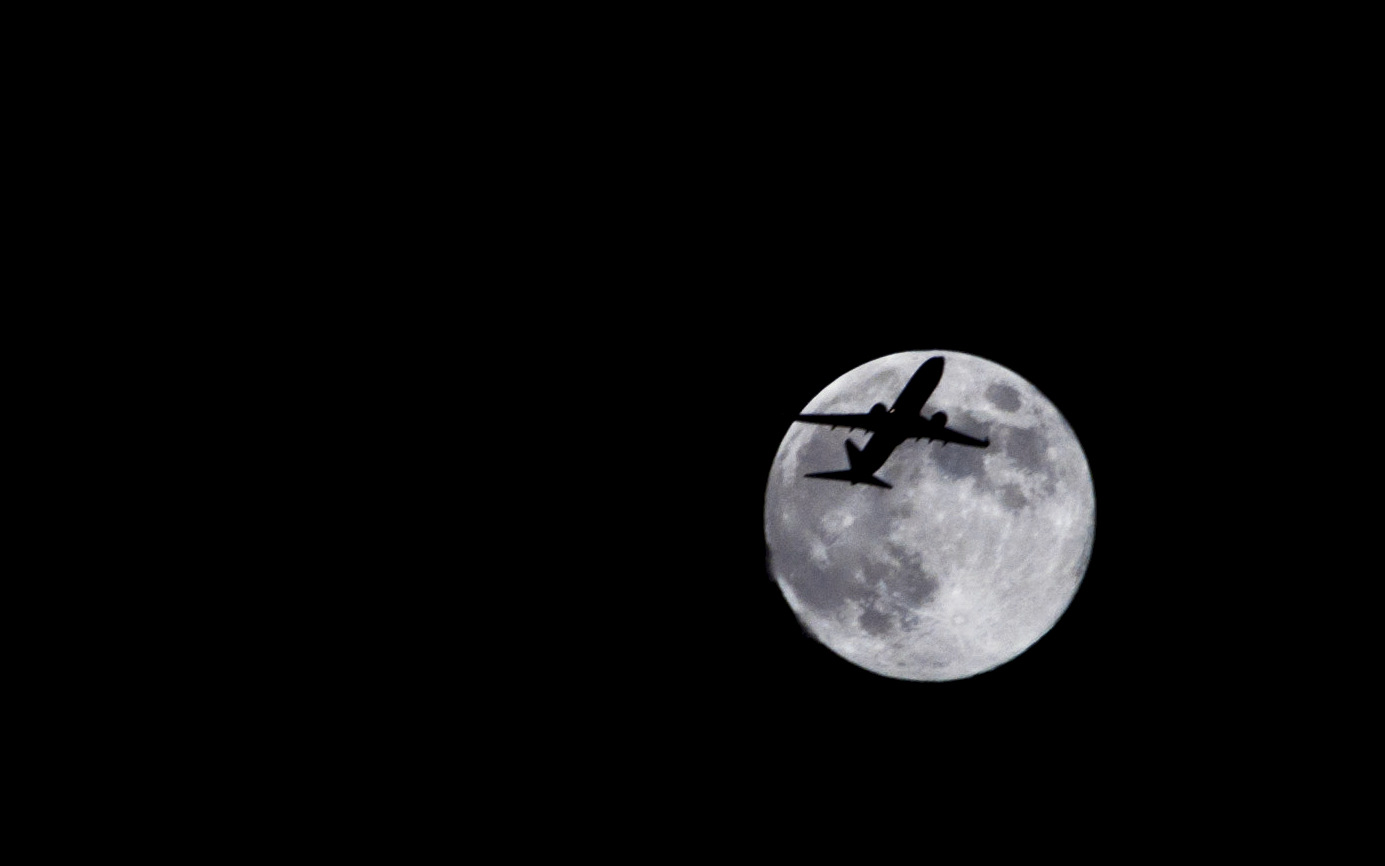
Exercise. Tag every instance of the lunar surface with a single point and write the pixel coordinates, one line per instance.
(969, 559)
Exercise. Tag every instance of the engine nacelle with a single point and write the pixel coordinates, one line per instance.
(878, 409)
(940, 419)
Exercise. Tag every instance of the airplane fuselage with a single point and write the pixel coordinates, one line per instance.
(879, 448)
(900, 417)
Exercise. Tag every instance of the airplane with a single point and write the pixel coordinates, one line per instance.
(891, 427)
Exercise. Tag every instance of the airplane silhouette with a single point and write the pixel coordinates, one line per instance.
(890, 427)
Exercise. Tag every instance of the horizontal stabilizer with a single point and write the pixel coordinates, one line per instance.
(852, 477)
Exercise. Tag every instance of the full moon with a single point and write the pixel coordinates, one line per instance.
(972, 556)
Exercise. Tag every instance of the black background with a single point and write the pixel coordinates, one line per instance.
(603, 324)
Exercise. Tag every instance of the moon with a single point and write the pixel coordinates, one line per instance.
(970, 558)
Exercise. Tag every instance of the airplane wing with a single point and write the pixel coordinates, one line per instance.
(855, 422)
(925, 430)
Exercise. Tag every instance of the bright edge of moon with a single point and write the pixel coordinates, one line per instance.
(970, 559)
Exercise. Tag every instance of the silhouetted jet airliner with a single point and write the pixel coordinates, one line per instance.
(890, 427)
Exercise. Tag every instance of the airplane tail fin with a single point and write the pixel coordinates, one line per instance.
(852, 452)
(852, 476)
